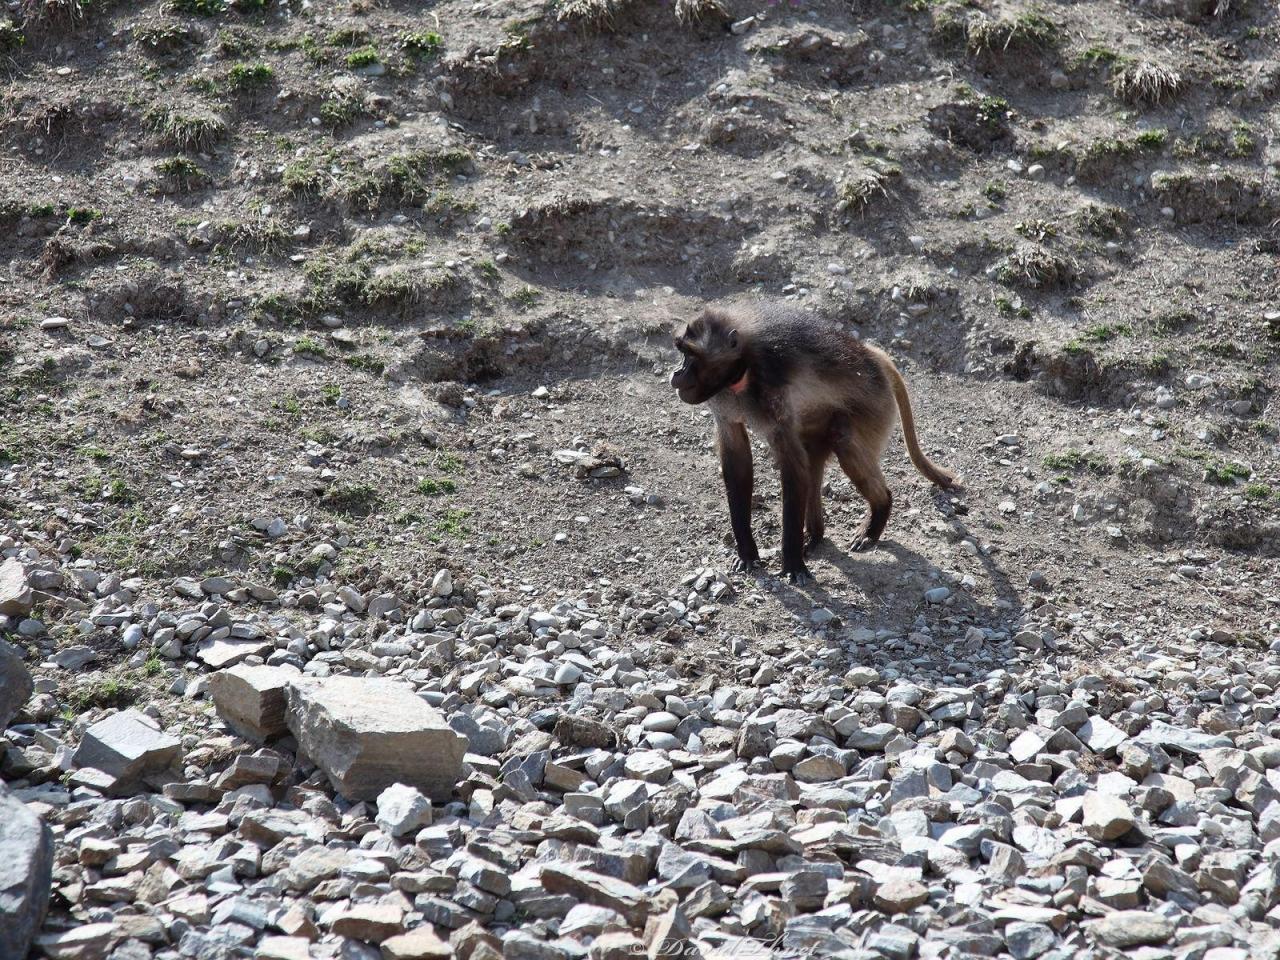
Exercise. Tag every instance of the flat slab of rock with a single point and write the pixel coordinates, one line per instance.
(367, 734)
(88, 942)
(252, 700)
(126, 746)
(595, 888)
(26, 868)
(1131, 928)
(1180, 738)
(15, 683)
(219, 654)
(419, 944)
(16, 598)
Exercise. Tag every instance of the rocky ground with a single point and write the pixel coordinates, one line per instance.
(333, 355)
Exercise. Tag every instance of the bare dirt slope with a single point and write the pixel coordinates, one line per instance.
(308, 294)
(315, 259)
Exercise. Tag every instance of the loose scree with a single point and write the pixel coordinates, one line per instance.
(813, 392)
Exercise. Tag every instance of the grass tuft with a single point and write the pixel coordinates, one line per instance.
(182, 131)
(690, 12)
(1141, 81)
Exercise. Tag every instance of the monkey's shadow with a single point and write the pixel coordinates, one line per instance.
(890, 596)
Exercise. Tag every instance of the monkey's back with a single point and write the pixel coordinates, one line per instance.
(818, 366)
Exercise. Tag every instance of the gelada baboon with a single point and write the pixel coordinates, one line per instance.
(812, 391)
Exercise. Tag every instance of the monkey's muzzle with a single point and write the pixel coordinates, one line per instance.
(686, 385)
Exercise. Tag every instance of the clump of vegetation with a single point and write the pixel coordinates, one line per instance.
(857, 191)
(599, 13)
(52, 13)
(260, 234)
(1102, 220)
(302, 177)
(249, 76)
(406, 178)
(347, 37)
(308, 347)
(1075, 460)
(182, 171)
(1225, 474)
(1028, 32)
(690, 12)
(361, 58)
(201, 8)
(1035, 267)
(185, 131)
(1036, 229)
(1102, 332)
(342, 106)
(421, 44)
(352, 499)
(102, 692)
(434, 487)
(1259, 491)
(11, 36)
(83, 215)
(1141, 81)
(526, 296)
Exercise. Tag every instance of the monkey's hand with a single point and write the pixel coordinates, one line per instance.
(800, 576)
(746, 564)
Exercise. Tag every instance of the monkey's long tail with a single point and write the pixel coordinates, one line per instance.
(934, 473)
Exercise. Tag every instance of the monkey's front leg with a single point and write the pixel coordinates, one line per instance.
(794, 467)
(739, 480)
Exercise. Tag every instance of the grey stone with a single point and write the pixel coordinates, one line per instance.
(367, 734)
(1164, 734)
(126, 746)
(1106, 817)
(1131, 928)
(1026, 941)
(16, 685)
(26, 866)
(16, 596)
(252, 700)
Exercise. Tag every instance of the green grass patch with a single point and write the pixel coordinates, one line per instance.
(435, 487)
(249, 76)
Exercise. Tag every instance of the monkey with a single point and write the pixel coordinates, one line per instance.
(812, 391)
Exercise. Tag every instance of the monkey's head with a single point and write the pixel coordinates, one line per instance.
(713, 359)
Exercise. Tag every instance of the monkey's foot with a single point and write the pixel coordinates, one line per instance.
(813, 543)
(744, 565)
(863, 542)
(800, 576)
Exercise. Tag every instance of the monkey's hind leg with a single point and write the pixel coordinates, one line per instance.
(864, 471)
(815, 520)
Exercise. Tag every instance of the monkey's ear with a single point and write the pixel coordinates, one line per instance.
(733, 339)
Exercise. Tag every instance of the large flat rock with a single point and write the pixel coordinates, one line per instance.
(252, 700)
(126, 746)
(367, 734)
(26, 869)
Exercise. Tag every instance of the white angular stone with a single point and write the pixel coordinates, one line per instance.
(1106, 817)
(402, 809)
